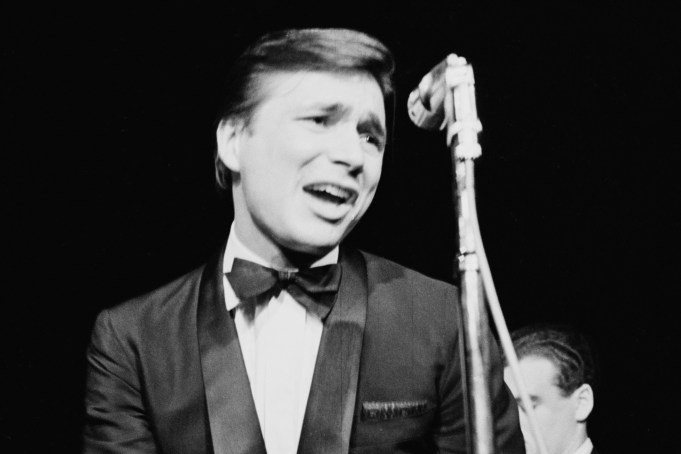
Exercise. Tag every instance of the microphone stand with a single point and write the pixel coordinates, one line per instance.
(446, 98)
(463, 126)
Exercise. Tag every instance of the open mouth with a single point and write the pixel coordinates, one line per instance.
(331, 193)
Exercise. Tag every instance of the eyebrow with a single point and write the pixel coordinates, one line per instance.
(334, 108)
(370, 121)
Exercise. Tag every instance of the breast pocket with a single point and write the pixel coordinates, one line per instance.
(400, 426)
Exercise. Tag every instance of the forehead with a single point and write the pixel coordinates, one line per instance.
(290, 91)
(540, 374)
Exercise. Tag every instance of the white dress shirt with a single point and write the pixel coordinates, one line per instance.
(586, 447)
(279, 346)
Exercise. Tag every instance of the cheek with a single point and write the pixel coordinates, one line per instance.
(524, 424)
(265, 191)
(372, 170)
(372, 176)
(267, 170)
(546, 420)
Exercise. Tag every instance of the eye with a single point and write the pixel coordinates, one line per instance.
(320, 120)
(373, 140)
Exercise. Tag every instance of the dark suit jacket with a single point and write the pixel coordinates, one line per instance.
(166, 374)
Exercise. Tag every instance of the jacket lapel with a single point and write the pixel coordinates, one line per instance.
(233, 419)
(331, 405)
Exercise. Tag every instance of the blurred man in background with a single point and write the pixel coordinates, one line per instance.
(557, 366)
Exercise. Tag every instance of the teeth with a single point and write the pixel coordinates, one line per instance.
(332, 190)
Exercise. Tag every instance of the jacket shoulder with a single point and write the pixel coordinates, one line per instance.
(151, 307)
(397, 287)
(381, 269)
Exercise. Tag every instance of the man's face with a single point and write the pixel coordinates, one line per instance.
(555, 413)
(308, 164)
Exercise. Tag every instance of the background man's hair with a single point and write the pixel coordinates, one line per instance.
(332, 50)
(566, 348)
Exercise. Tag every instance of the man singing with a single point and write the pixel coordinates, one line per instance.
(286, 341)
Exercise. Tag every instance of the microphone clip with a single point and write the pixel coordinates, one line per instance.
(445, 97)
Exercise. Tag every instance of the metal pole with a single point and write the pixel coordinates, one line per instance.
(462, 129)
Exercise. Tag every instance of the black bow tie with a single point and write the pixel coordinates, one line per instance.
(314, 288)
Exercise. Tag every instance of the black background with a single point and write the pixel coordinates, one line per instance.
(109, 117)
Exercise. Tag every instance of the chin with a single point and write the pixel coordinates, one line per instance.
(317, 247)
(317, 241)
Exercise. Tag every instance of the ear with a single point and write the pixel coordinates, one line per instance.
(584, 396)
(228, 133)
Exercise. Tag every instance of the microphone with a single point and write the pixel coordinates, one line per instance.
(426, 102)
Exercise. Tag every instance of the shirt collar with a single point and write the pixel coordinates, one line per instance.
(586, 447)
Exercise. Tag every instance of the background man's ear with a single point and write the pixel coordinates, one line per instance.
(228, 143)
(585, 402)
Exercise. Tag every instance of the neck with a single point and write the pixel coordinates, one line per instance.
(299, 260)
(577, 440)
(278, 256)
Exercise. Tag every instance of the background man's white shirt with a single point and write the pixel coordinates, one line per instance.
(585, 448)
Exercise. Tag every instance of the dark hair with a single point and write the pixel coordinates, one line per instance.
(332, 50)
(567, 349)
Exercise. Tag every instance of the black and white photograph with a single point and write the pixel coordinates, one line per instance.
(348, 227)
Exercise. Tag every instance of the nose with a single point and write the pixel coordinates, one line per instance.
(346, 149)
